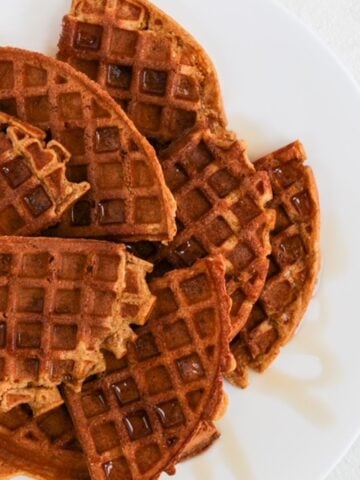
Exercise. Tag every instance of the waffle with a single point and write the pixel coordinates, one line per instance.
(34, 190)
(221, 200)
(44, 447)
(52, 329)
(206, 435)
(128, 196)
(63, 445)
(147, 62)
(294, 263)
(135, 420)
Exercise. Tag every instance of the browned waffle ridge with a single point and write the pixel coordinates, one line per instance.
(135, 420)
(221, 210)
(128, 196)
(157, 71)
(294, 263)
(206, 435)
(60, 303)
(34, 190)
(58, 441)
(44, 447)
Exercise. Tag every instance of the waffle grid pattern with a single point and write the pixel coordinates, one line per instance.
(148, 68)
(32, 177)
(75, 291)
(137, 418)
(221, 210)
(294, 263)
(128, 196)
(48, 443)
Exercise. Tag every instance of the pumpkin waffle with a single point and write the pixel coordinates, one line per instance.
(128, 196)
(34, 190)
(221, 210)
(152, 67)
(52, 329)
(206, 435)
(50, 446)
(294, 263)
(135, 420)
(44, 447)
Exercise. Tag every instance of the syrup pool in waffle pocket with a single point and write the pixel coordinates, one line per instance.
(294, 263)
(34, 190)
(128, 196)
(148, 63)
(136, 420)
(61, 302)
(143, 413)
(221, 210)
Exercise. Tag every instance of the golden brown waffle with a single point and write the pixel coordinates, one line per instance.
(34, 190)
(294, 263)
(128, 196)
(221, 210)
(206, 435)
(44, 447)
(135, 420)
(58, 440)
(61, 302)
(153, 68)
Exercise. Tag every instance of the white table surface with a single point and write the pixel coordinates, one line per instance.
(337, 23)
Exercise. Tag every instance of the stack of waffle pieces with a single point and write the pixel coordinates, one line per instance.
(143, 257)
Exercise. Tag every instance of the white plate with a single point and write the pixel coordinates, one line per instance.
(280, 83)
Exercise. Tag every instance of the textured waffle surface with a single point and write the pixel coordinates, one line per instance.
(221, 210)
(128, 196)
(34, 190)
(294, 263)
(60, 303)
(135, 420)
(44, 447)
(158, 73)
(136, 298)
(206, 435)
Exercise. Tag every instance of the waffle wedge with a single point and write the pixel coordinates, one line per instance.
(61, 303)
(153, 68)
(294, 263)
(34, 190)
(221, 210)
(128, 196)
(137, 419)
(206, 435)
(44, 447)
